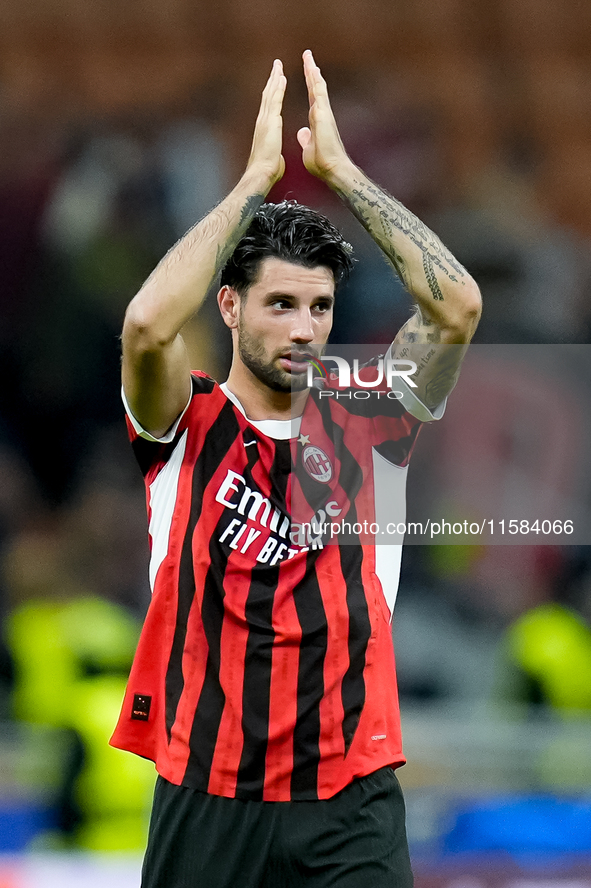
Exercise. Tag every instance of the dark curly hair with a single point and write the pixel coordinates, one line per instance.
(292, 232)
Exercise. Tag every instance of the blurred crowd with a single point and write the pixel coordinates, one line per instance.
(85, 214)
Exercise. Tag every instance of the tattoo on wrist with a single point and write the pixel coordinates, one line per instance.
(424, 362)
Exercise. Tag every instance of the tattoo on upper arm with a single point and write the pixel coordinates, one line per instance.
(431, 277)
(440, 386)
(438, 364)
(423, 363)
(419, 328)
(444, 373)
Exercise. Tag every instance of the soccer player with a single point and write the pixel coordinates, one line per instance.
(263, 686)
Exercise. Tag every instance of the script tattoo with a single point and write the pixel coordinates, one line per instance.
(381, 214)
(359, 207)
(424, 362)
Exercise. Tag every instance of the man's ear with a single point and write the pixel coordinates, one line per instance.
(229, 304)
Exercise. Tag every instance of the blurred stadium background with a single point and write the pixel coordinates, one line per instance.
(120, 125)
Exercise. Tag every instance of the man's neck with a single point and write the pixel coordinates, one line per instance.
(261, 402)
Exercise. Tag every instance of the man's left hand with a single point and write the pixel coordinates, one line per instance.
(323, 152)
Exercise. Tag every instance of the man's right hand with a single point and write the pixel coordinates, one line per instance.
(265, 155)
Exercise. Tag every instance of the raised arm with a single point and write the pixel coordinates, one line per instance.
(155, 370)
(447, 298)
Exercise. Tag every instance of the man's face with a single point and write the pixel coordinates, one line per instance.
(285, 319)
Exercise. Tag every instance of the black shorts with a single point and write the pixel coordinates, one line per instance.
(356, 839)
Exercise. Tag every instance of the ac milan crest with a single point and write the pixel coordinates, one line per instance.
(317, 464)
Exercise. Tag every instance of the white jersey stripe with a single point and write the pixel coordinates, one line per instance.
(163, 494)
(390, 510)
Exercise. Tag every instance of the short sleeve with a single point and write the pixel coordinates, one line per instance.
(141, 431)
(153, 453)
(413, 404)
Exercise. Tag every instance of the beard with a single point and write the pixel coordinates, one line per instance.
(252, 353)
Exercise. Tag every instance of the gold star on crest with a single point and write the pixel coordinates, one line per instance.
(304, 439)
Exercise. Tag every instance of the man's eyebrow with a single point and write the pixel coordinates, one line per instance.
(280, 294)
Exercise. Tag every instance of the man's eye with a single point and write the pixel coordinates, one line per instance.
(322, 306)
(281, 304)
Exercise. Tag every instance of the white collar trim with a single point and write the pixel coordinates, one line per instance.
(280, 429)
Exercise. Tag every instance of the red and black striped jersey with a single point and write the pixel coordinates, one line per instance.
(265, 668)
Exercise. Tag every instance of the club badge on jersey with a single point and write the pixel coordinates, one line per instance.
(317, 464)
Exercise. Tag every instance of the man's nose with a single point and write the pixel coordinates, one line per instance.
(302, 330)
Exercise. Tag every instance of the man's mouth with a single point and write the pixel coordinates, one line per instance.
(296, 362)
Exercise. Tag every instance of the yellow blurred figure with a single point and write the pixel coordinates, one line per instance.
(71, 660)
(551, 646)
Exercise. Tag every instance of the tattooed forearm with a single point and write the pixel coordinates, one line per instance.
(209, 230)
(359, 210)
(250, 207)
(400, 267)
(381, 215)
(431, 277)
(447, 300)
(225, 250)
